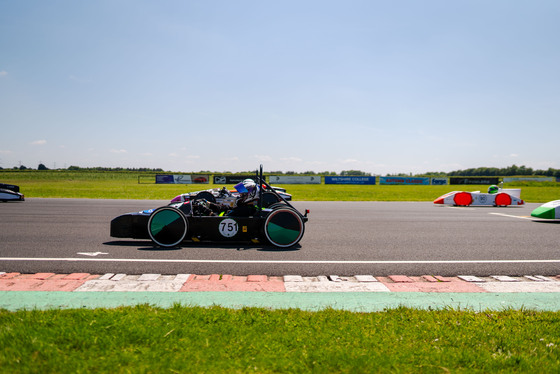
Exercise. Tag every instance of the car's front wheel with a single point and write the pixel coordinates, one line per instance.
(167, 226)
(284, 227)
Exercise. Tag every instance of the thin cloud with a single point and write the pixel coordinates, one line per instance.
(3, 73)
(263, 158)
(119, 151)
(291, 159)
(39, 142)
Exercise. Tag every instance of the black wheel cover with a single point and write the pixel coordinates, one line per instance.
(167, 226)
(284, 227)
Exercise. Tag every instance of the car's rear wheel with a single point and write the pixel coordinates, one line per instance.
(205, 195)
(502, 199)
(284, 227)
(269, 198)
(167, 226)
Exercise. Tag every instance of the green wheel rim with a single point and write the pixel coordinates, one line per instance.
(167, 227)
(284, 228)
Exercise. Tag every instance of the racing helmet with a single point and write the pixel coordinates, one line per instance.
(248, 190)
(493, 189)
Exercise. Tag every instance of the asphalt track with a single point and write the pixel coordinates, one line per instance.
(343, 238)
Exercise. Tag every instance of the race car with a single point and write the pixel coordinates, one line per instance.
(10, 192)
(279, 224)
(229, 197)
(496, 196)
(550, 210)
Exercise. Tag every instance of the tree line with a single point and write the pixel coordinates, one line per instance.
(507, 171)
(512, 170)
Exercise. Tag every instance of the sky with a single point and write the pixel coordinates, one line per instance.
(384, 87)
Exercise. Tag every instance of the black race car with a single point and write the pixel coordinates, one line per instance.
(10, 192)
(279, 224)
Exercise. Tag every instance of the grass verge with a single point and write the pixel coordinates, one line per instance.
(209, 340)
(124, 185)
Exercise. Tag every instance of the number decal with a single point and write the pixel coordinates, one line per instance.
(228, 227)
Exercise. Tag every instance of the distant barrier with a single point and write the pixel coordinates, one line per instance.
(317, 179)
(474, 180)
(529, 179)
(231, 179)
(295, 179)
(405, 180)
(439, 181)
(182, 179)
(349, 180)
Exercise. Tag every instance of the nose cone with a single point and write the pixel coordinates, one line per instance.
(543, 212)
(439, 200)
(550, 210)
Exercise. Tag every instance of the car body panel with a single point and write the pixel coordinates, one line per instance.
(550, 210)
(10, 192)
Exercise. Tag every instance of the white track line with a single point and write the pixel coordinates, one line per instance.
(70, 259)
(512, 216)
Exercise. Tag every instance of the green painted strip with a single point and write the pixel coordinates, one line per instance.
(352, 301)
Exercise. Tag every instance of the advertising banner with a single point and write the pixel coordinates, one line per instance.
(294, 179)
(182, 178)
(475, 180)
(439, 181)
(349, 180)
(231, 179)
(529, 179)
(405, 180)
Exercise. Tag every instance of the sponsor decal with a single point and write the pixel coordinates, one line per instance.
(349, 180)
(404, 180)
(295, 179)
(468, 180)
(181, 178)
(439, 181)
(231, 179)
(529, 179)
(164, 179)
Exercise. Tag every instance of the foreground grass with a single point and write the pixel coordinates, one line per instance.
(124, 185)
(208, 340)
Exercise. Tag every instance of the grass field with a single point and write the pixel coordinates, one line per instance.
(124, 185)
(145, 339)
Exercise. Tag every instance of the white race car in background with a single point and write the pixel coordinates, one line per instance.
(496, 196)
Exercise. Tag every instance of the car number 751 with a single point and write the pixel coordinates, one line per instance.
(228, 227)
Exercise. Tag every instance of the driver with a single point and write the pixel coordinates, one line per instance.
(493, 189)
(247, 200)
(203, 207)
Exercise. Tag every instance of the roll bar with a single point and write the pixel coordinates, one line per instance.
(261, 180)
